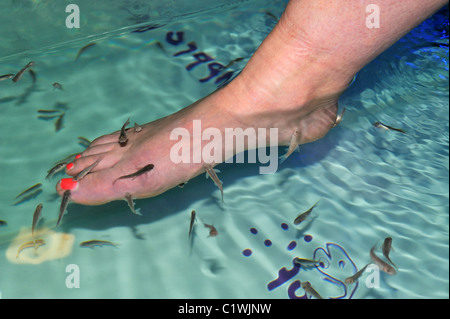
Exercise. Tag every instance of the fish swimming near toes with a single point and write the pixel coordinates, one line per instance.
(37, 214)
(55, 169)
(143, 170)
(29, 190)
(137, 128)
(123, 139)
(339, 118)
(191, 224)
(129, 200)
(86, 171)
(212, 173)
(64, 203)
(21, 72)
(293, 145)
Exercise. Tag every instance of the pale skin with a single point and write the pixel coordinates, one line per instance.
(292, 82)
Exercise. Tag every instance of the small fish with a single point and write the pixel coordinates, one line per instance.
(191, 225)
(55, 169)
(48, 111)
(352, 279)
(96, 242)
(232, 62)
(61, 105)
(123, 135)
(211, 173)
(68, 158)
(3, 223)
(145, 169)
(62, 208)
(387, 127)
(305, 262)
(384, 266)
(293, 145)
(57, 86)
(34, 243)
(33, 75)
(339, 118)
(28, 196)
(130, 202)
(59, 122)
(6, 76)
(84, 49)
(29, 190)
(306, 285)
(37, 214)
(21, 72)
(270, 14)
(49, 117)
(300, 218)
(83, 141)
(137, 127)
(212, 230)
(386, 249)
(86, 171)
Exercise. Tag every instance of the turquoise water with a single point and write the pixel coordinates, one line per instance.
(371, 183)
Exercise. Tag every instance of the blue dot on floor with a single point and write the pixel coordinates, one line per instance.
(254, 231)
(267, 242)
(292, 245)
(284, 226)
(307, 238)
(247, 252)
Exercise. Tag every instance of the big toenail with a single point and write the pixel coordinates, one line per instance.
(68, 183)
(78, 156)
(69, 166)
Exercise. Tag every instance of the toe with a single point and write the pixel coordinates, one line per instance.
(106, 139)
(93, 189)
(100, 149)
(104, 161)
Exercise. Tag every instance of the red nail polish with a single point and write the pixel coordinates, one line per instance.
(78, 156)
(68, 183)
(69, 166)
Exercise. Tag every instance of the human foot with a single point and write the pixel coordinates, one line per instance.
(296, 96)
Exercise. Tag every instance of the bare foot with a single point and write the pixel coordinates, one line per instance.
(281, 87)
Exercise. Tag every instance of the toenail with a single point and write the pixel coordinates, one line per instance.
(68, 183)
(69, 166)
(78, 156)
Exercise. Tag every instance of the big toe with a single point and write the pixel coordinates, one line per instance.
(94, 189)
